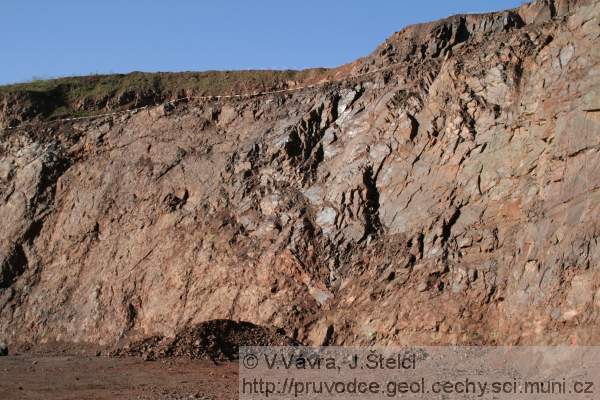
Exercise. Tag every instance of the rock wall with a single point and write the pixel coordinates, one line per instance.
(453, 198)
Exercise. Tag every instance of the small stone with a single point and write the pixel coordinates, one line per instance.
(168, 108)
(566, 54)
(422, 287)
(322, 296)
(465, 241)
(326, 216)
(472, 274)
(321, 334)
(444, 327)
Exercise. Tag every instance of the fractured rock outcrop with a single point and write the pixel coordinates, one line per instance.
(450, 199)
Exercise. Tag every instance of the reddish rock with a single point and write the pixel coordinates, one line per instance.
(450, 199)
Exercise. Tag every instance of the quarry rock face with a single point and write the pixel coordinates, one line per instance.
(452, 198)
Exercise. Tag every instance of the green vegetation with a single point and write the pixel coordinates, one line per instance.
(87, 95)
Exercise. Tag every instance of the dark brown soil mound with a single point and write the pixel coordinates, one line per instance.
(216, 340)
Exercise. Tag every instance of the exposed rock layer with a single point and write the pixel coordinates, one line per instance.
(451, 199)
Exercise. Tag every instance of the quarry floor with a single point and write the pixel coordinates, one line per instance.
(87, 377)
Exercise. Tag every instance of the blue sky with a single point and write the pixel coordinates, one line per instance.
(44, 39)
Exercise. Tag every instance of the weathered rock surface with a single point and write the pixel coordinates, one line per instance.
(451, 199)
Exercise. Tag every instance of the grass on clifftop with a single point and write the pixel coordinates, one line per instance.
(65, 96)
(209, 82)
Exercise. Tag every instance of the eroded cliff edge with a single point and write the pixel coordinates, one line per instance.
(453, 198)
